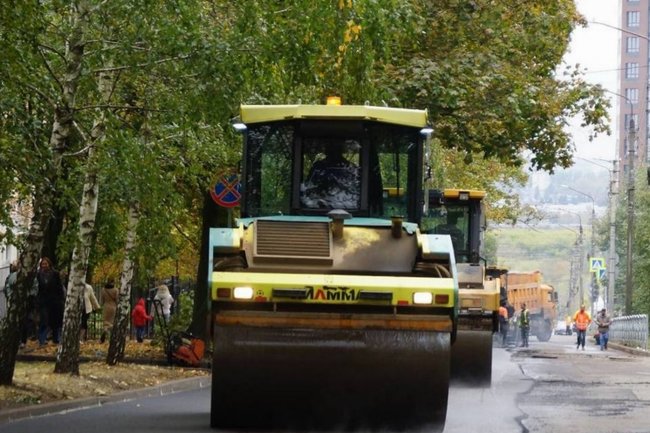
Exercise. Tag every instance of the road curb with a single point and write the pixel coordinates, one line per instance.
(29, 357)
(630, 350)
(83, 403)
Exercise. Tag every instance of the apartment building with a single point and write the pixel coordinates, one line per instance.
(634, 82)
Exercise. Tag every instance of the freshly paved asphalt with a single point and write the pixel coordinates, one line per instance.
(508, 406)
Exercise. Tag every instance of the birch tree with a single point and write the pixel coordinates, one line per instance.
(67, 359)
(62, 106)
(60, 69)
(117, 342)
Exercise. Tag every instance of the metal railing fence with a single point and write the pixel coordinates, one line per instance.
(630, 330)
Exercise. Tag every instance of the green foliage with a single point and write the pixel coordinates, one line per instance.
(181, 319)
(484, 70)
(490, 248)
(641, 237)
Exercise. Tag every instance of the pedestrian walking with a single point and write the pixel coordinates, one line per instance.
(90, 304)
(582, 320)
(524, 325)
(163, 302)
(50, 300)
(503, 323)
(109, 298)
(140, 319)
(603, 321)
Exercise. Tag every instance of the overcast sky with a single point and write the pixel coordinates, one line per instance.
(596, 49)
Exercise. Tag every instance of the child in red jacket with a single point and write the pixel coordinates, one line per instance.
(140, 319)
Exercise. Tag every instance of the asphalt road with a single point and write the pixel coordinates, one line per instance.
(549, 387)
(553, 387)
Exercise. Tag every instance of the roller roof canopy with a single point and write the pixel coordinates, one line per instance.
(270, 113)
(455, 193)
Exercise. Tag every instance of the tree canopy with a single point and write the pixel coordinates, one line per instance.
(486, 71)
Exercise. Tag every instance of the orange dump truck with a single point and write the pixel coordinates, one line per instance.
(540, 299)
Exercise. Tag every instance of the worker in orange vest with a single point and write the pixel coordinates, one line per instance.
(582, 320)
(503, 323)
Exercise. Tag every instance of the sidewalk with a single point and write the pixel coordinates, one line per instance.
(144, 371)
(59, 406)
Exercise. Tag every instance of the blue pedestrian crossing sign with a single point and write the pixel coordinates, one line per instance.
(601, 274)
(596, 264)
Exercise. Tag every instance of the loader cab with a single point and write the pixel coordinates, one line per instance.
(307, 164)
(459, 214)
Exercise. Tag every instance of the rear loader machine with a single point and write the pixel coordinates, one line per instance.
(460, 214)
(331, 309)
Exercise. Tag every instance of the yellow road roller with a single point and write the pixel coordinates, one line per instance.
(331, 309)
(460, 214)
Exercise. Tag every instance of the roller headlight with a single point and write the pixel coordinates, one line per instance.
(422, 298)
(243, 293)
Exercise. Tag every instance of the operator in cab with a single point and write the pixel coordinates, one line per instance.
(451, 228)
(333, 181)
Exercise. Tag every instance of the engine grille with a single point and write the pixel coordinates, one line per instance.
(286, 239)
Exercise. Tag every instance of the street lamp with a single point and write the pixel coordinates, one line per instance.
(593, 218)
(621, 30)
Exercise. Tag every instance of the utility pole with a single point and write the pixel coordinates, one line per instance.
(611, 260)
(631, 142)
(580, 269)
(574, 273)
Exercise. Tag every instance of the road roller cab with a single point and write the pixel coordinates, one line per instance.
(332, 310)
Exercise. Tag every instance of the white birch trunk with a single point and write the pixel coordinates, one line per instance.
(10, 328)
(67, 359)
(123, 312)
(62, 125)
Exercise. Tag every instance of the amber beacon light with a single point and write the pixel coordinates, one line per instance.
(333, 100)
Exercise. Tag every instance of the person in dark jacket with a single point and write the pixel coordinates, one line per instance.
(524, 325)
(333, 181)
(604, 321)
(50, 300)
(140, 319)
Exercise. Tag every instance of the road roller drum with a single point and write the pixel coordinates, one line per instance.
(329, 379)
